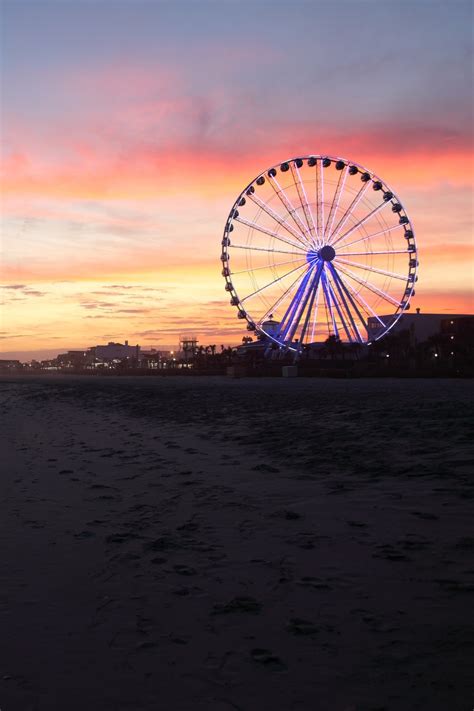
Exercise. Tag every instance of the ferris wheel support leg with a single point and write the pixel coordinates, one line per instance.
(301, 309)
(340, 284)
(293, 308)
(313, 288)
(327, 297)
(337, 306)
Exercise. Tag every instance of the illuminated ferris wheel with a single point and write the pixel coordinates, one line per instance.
(317, 247)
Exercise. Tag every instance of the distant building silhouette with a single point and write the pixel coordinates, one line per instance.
(188, 346)
(8, 366)
(421, 326)
(75, 359)
(116, 351)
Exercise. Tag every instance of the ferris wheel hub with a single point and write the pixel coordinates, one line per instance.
(327, 253)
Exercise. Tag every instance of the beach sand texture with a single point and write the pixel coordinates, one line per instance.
(236, 545)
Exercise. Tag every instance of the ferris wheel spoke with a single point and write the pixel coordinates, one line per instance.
(312, 290)
(268, 266)
(288, 205)
(348, 213)
(301, 266)
(369, 254)
(365, 267)
(279, 219)
(267, 231)
(360, 300)
(282, 297)
(303, 200)
(370, 287)
(335, 203)
(360, 223)
(339, 310)
(301, 306)
(293, 307)
(343, 290)
(320, 199)
(328, 303)
(261, 249)
(374, 234)
(315, 316)
(343, 307)
(326, 311)
(351, 299)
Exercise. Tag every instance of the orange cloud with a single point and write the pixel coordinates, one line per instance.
(143, 170)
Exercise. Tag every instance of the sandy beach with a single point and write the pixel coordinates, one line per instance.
(236, 545)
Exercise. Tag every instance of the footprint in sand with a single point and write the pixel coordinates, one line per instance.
(238, 604)
(298, 626)
(184, 570)
(267, 659)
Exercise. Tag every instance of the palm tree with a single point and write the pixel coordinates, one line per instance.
(333, 347)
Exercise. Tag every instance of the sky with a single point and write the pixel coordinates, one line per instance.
(129, 128)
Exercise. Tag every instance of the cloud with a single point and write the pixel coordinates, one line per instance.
(120, 290)
(132, 311)
(34, 292)
(409, 154)
(97, 305)
(24, 290)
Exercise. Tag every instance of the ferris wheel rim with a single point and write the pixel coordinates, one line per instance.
(373, 178)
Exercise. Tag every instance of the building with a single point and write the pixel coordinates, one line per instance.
(421, 326)
(188, 348)
(154, 359)
(116, 351)
(271, 327)
(8, 366)
(154, 353)
(458, 327)
(75, 359)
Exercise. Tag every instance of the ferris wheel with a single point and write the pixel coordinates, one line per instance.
(315, 247)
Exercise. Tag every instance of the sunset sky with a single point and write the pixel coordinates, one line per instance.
(129, 128)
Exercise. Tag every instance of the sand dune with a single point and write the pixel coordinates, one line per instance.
(207, 543)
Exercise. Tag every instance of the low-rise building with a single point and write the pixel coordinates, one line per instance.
(8, 366)
(116, 351)
(153, 358)
(420, 326)
(75, 359)
(458, 327)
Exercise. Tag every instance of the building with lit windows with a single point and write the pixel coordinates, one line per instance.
(421, 326)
